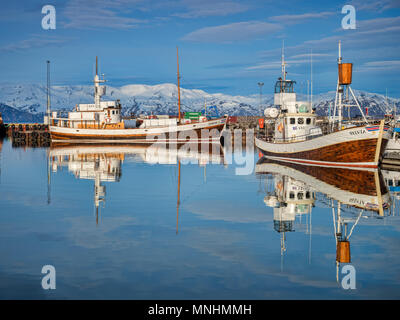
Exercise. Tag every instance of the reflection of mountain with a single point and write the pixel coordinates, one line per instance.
(103, 163)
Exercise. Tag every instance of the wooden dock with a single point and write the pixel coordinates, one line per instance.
(391, 161)
(28, 134)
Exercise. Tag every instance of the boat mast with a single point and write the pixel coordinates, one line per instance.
(343, 86)
(311, 82)
(339, 91)
(179, 90)
(97, 92)
(48, 94)
(283, 61)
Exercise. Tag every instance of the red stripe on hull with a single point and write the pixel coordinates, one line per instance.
(329, 164)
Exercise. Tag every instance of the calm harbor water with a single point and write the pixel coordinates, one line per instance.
(108, 220)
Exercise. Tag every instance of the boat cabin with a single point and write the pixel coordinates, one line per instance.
(296, 120)
(92, 115)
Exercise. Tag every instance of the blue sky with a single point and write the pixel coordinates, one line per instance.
(225, 45)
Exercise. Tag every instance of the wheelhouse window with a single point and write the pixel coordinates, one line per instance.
(292, 120)
(308, 121)
(284, 86)
(300, 120)
(291, 195)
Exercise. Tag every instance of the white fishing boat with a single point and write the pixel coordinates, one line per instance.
(102, 122)
(298, 139)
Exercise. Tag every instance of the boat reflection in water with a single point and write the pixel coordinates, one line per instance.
(294, 190)
(103, 163)
(392, 180)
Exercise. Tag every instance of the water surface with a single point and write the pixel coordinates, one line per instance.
(108, 221)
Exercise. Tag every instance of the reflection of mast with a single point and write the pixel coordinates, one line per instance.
(99, 194)
(179, 192)
(48, 179)
(379, 193)
(342, 237)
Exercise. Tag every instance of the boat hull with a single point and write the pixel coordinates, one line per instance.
(207, 131)
(354, 147)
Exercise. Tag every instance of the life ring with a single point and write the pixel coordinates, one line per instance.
(108, 120)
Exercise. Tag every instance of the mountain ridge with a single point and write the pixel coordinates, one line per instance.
(28, 101)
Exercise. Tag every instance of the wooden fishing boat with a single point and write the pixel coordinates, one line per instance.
(298, 139)
(102, 122)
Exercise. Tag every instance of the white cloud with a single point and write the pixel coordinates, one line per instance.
(375, 5)
(298, 18)
(207, 8)
(381, 65)
(278, 64)
(238, 31)
(308, 55)
(35, 41)
(101, 14)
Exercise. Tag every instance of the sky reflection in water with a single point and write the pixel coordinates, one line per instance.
(222, 244)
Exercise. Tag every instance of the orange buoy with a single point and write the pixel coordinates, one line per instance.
(261, 123)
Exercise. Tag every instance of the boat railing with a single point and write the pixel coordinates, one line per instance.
(325, 129)
(70, 123)
(293, 139)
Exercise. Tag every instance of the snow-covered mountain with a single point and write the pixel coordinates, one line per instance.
(159, 99)
(135, 98)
